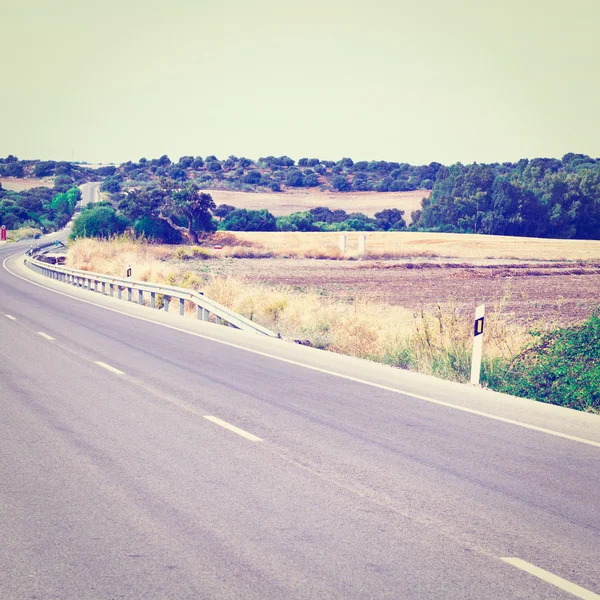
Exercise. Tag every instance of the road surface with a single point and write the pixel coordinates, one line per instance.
(171, 460)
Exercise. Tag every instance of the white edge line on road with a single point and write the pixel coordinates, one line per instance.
(46, 336)
(108, 367)
(555, 580)
(226, 425)
(325, 371)
(10, 317)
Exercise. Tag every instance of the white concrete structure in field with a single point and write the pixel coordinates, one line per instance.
(362, 243)
(343, 243)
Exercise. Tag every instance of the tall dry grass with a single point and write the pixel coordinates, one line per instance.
(14, 235)
(435, 342)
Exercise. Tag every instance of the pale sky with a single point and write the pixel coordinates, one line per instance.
(418, 81)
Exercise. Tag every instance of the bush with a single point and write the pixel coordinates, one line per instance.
(341, 183)
(301, 221)
(294, 178)
(14, 169)
(111, 184)
(561, 367)
(310, 180)
(251, 177)
(242, 219)
(44, 169)
(156, 230)
(98, 221)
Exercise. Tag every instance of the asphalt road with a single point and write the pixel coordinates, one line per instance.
(114, 484)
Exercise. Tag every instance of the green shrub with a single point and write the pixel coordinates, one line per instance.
(561, 367)
(242, 219)
(99, 221)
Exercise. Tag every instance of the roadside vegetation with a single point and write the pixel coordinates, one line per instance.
(434, 341)
(40, 208)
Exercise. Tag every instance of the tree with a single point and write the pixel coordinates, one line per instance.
(242, 219)
(310, 180)
(172, 202)
(223, 210)
(14, 169)
(44, 169)
(111, 184)
(390, 218)
(341, 183)
(100, 220)
(301, 221)
(252, 177)
(294, 178)
(185, 162)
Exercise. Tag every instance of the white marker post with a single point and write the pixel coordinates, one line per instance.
(362, 243)
(477, 344)
(343, 243)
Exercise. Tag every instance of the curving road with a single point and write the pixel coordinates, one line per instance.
(143, 456)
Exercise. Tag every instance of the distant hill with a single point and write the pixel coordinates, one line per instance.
(278, 174)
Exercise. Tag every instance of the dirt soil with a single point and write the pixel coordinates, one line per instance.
(551, 292)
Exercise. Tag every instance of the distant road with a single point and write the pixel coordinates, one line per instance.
(90, 192)
(140, 461)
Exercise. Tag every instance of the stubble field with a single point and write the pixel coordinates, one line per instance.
(18, 185)
(297, 201)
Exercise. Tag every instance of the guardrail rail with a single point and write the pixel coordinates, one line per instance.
(160, 296)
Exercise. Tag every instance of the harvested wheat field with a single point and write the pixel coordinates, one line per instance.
(18, 185)
(552, 290)
(289, 202)
(528, 292)
(425, 245)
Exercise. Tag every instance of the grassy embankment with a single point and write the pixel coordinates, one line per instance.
(437, 342)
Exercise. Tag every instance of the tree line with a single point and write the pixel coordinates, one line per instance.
(538, 198)
(276, 174)
(40, 207)
(170, 212)
(542, 197)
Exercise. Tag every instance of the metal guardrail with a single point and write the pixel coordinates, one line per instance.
(107, 285)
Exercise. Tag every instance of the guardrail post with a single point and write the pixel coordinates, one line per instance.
(129, 292)
(103, 288)
(152, 300)
(219, 320)
(206, 314)
(199, 315)
(112, 290)
(119, 292)
(167, 300)
(181, 306)
(140, 297)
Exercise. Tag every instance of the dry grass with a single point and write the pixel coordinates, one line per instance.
(289, 202)
(14, 235)
(18, 185)
(415, 244)
(435, 342)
